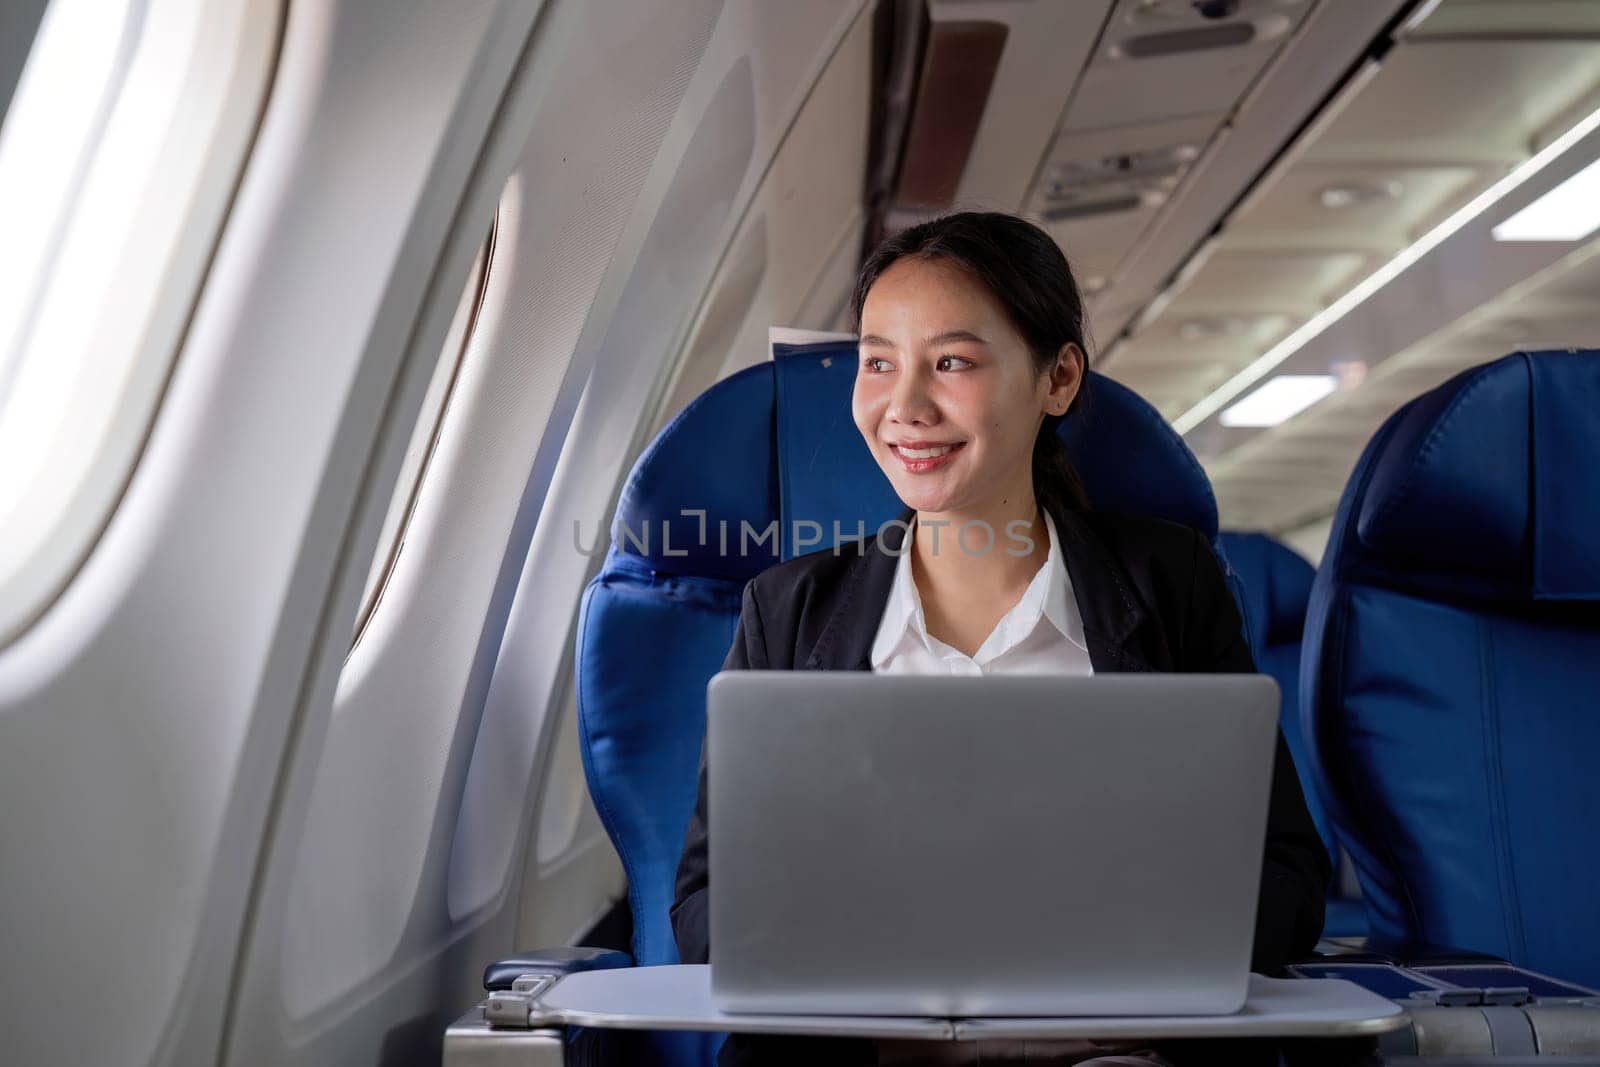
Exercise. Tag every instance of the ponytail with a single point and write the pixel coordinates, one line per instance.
(1056, 484)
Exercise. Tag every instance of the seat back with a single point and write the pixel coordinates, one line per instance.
(765, 465)
(1453, 665)
(1277, 585)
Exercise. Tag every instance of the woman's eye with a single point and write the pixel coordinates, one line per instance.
(953, 363)
(875, 365)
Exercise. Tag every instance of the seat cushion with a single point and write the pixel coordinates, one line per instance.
(646, 647)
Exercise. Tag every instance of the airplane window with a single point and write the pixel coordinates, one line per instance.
(424, 436)
(119, 154)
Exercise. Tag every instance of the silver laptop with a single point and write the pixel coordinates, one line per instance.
(1009, 845)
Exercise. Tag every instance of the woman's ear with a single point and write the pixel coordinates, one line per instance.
(1066, 376)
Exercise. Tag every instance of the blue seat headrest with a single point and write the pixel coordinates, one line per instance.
(830, 488)
(772, 457)
(1131, 460)
(716, 456)
(1488, 487)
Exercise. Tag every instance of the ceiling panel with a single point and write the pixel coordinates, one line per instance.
(1250, 119)
(1094, 244)
(1563, 17)
(1340, 206)
(1163, 386)
(1576, 288)
(1090, 172)
(1123, 87)
(1047, 45)
(1448, 101)
(1291, 281)
(1209, 339)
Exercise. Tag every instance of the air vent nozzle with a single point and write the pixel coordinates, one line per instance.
(1083, 209)
(1176, 42)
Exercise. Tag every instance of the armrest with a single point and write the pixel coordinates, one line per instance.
(501, 973)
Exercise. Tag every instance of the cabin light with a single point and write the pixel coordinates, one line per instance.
(1279, 399)
(1569, 212)
(1313, 327)
(1350, 194)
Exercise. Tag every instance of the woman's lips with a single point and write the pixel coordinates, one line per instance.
(923, 465)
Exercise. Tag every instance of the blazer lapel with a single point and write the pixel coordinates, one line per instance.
(846, 641)
(1111, 612)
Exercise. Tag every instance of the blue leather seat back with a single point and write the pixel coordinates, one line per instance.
(656, 623)
(1277, 583)
(1453, 665)
(773, 445)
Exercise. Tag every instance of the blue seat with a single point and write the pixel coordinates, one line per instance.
(1452, 666)
(763, 466)
(1277, 587)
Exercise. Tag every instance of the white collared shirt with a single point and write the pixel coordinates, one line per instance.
(1041, 634)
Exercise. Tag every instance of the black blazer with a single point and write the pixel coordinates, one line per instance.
(1152, 599)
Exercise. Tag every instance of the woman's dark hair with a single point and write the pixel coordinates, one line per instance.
(1024, 270)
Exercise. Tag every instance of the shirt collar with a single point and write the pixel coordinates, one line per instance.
(1060, 605)
(902, 612)
(903, 618)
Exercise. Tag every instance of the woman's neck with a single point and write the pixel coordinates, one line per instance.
(966, 578)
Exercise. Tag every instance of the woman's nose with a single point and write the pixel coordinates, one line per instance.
(910, 401)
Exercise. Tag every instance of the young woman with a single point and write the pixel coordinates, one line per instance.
(971, 353)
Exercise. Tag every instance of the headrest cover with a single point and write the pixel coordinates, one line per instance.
(1491, 482)
(826, 473)
(715, 457)
(1131, 459)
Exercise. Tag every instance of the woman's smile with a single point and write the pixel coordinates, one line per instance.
(919, 457)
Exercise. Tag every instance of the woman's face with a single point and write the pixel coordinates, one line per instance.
(947, 395)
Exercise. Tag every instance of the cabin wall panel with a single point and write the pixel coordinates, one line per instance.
(373, 928)
(355, 956)
(794, 258)
(782, 50)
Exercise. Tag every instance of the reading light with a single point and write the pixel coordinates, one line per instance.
(1281, 398)
(1569, 212)
(1314, 326)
